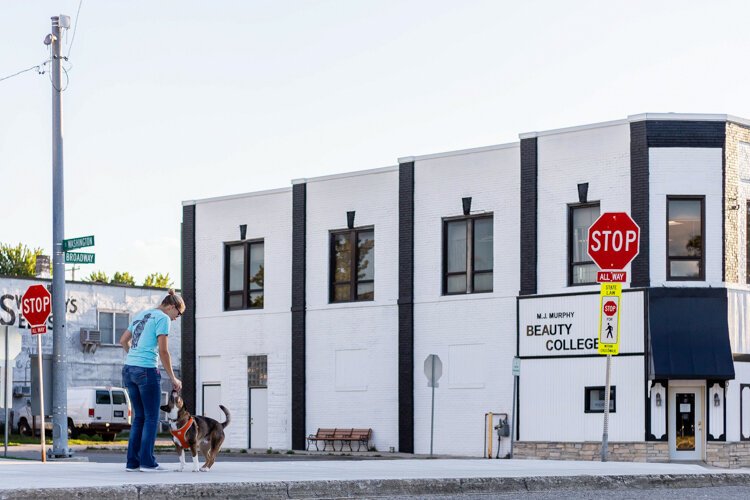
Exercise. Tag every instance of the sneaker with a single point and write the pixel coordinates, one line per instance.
(132, 469)
(158, 468)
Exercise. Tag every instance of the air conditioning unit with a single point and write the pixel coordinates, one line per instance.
(21, 391)
(90, 339)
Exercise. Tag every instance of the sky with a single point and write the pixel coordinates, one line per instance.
(170, 101)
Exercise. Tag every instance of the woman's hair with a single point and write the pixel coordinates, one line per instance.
(172, 299)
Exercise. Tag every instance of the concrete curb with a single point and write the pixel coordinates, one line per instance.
(385, 487)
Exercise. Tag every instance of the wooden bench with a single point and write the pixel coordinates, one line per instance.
(345, 436)
(325, 435)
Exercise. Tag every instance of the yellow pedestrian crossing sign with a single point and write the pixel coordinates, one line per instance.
(609, 318)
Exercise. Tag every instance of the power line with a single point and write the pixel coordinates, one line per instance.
(38, 68)
(75, 27)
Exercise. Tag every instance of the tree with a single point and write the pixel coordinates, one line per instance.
(158, 280)
(97, 277)
(123, 279)
(18, 260)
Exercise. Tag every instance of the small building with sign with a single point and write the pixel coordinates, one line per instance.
(321, 312)
(97, 315)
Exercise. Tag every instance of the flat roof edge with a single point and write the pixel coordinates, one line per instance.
(577, 128)
(459, 152)
(228, 197)
(344, 175)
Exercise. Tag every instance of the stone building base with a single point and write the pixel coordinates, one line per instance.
(728, 455)
(718, 453)
(650, 451)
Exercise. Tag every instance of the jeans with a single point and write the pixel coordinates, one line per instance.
(144, 389)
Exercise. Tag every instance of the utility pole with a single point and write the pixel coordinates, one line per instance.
(59, 369)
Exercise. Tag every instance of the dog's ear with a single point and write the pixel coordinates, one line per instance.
(179, 403)
(164, 408)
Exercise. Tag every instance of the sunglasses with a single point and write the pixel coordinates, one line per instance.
(178, 311)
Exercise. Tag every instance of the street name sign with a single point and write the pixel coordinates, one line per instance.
(36, 306)
(609, 318)
(80, 242)
(79, 258)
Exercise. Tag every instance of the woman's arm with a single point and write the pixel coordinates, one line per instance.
(125, 340)
(166, 361)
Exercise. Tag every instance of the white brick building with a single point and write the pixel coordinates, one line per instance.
(466, 255)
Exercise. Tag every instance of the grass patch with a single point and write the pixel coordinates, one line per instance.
(18, 439)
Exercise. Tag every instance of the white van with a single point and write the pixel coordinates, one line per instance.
(102, 410)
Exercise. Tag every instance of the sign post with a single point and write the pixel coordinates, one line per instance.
(516, 374)
(613, 242)
(12, 348)
(36, 306)
(433, 370)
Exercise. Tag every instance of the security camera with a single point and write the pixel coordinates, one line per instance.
(64, 21)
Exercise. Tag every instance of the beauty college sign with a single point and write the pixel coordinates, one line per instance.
(562, 325)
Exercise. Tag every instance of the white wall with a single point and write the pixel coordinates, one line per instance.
(552, 397)
(365, 396)
(685, 171)
(480, 326)
(235, 335)
(599, 156)
(741, 376)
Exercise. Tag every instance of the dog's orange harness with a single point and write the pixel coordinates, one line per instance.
(179, 434)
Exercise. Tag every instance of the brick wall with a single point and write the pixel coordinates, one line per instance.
(649, 451)
(736, 192)
(729, 455)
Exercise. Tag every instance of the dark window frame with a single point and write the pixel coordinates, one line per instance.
(245, 292)
(354, 280)
(470, 272)
(571, 264)
(612, 398)
(702, 260)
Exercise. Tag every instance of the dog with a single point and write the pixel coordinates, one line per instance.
(190, 431)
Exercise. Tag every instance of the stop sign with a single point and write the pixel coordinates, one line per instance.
(36, 307)
(610, 308)
(613, 240)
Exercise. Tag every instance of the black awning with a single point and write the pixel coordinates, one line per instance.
(689, 334)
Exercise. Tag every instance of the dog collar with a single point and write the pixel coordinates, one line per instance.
(179, 434)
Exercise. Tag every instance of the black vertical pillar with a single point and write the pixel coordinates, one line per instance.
(299, 231)
(188, 357)
(529, 168)
(406, 308)
(639, 201)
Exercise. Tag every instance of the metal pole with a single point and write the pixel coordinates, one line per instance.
(513, 416)
(5, 388)
(605, 434)
(432, 413)
(41, 396)
(59, 369)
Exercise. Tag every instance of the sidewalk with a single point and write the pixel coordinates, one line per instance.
(336, 478)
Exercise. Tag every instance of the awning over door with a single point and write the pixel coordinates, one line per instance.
(689, 334)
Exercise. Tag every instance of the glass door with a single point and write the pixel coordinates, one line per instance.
(686, 424)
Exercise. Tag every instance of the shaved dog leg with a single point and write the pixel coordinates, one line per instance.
(182, 460)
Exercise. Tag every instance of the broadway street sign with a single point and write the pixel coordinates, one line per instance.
(79, 258)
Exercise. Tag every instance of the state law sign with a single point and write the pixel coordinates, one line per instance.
(613, 240)
(36, 307)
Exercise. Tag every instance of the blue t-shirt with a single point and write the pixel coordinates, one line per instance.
(144, 346)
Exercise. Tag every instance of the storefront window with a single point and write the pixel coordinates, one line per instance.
(595, 400)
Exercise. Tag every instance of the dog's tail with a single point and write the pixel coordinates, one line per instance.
(226, 413)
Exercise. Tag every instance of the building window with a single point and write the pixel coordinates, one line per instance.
(685, 247)
(112, 325)
(467, 255)
(243, 275)
(581, 269)
(352, 265)
(595, 400)
(257, 371)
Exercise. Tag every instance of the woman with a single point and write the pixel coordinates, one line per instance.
(146, 336)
